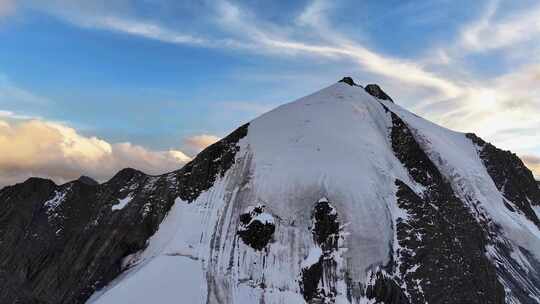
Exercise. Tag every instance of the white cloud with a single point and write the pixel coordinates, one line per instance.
(504, 110)
(247, 33)
(46, 149)
(533, 163)
(314, 14)
(515, 31)
(197, 143)
(117, 16)
(334, 46)
(143, 29)
(490, 32)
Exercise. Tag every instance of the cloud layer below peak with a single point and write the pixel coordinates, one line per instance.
(53, 150)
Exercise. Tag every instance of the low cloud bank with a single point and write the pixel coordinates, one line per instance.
(532, 162)
(52, 150)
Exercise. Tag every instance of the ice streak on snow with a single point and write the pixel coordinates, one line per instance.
(265, 218)
(122, 202)
(313, 257)
(536, 210)
(53, 203)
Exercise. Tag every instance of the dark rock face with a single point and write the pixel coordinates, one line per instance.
(515, 181)
(441, 240)
(348, 80)
(63, 242)
(59, 244)
(318, 278)
(376, 91)
(87, 180)
(309, 285)
(214, 161)
(385, 289)
(256, 230)
(325, 228)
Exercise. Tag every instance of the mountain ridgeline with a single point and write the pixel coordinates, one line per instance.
(341, 196)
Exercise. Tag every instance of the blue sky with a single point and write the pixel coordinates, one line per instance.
(134, 81)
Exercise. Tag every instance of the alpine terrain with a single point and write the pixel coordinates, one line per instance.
(341, 196)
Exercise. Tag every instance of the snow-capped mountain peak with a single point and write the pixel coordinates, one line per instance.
(341, 196)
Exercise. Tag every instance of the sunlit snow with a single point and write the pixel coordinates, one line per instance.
(333, 144)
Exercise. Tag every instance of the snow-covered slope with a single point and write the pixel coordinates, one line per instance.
(343, 197)
(339, 197)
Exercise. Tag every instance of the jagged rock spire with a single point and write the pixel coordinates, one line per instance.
(349, 81)
(372, 89)
(376, 91)
(87, 180)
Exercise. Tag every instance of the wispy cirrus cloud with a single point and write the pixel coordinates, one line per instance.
(143, 29)
(503, 107)
(331, 45)
(242, 29)
(117, 16)
(490, 32)
(9, 92)
(247, 33)
(517, 31)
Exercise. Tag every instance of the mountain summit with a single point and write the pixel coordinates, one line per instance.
(341, 196)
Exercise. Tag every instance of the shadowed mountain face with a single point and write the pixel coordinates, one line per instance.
(339, 197)
(61, 243)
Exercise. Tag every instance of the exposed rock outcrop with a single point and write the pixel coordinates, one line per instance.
(515, 181)
(256, 227)
(376, 91)
(319, 274)
(87, 180)
(348, 80)
(440, 234)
